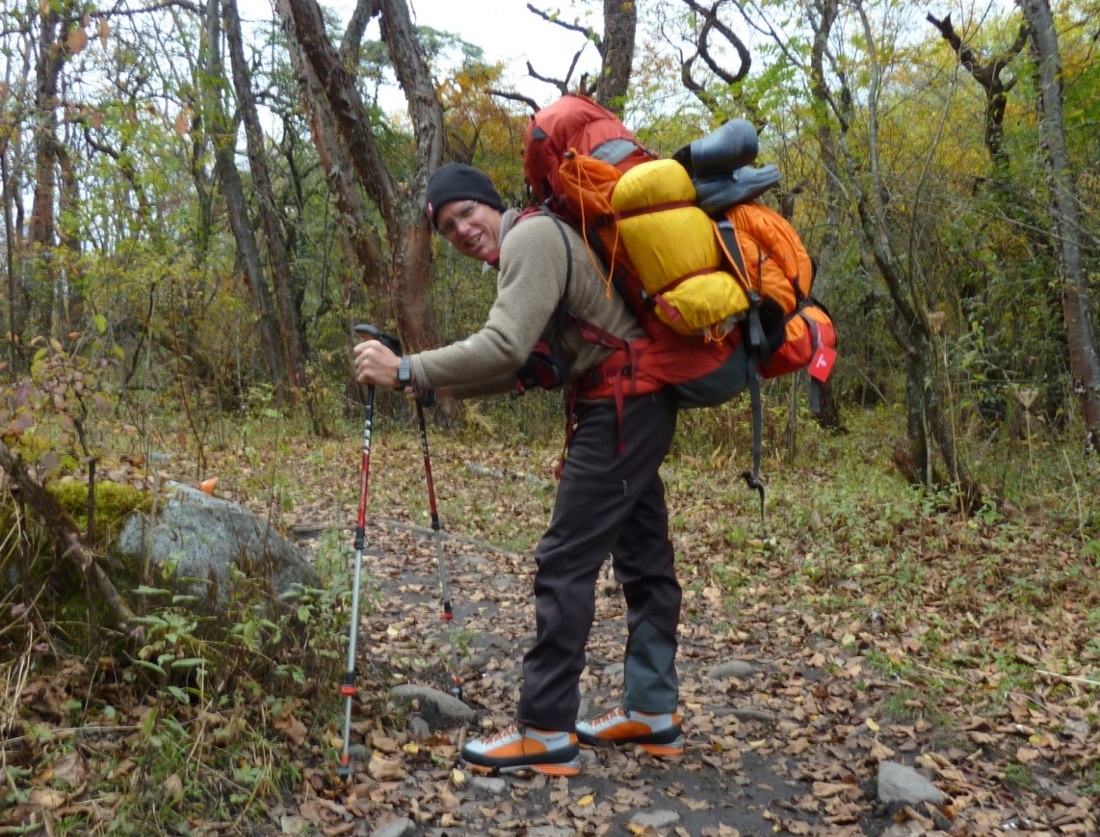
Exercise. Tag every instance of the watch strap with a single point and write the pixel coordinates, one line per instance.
(404, 371)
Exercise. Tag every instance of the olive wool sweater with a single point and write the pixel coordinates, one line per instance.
(530, 284)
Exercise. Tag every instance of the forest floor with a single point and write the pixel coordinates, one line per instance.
(871, 624)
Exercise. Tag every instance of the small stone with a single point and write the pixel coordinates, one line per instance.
(490, 784)
(731, 668)
(419, 728)
(402, 827)
(438, 709)
(898, 783)
(357, 752)
(655, 819)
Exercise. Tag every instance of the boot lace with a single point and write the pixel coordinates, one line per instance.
(499, 737)
(616, 714)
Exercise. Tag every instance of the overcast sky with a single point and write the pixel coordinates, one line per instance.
(506, 30)
(509, 32)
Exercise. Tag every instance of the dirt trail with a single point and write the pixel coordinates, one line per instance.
(748, 768)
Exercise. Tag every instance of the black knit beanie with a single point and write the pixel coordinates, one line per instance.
(456, 182)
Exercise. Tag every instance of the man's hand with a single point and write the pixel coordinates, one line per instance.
(375, 364)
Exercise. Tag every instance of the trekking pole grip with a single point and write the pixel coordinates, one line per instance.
(384, 337)
(388, 340)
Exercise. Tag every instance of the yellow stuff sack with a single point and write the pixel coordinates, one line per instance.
(672, 246)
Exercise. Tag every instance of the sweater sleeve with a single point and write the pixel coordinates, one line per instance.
(530, 284)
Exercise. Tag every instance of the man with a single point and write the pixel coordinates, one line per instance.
(610, 498)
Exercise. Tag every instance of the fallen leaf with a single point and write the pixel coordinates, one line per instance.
(173, 787)
(825, 790)
(293, 824)
(386, 770)
(48, 798)
(77, 40)
(69, 769)
(293, 730)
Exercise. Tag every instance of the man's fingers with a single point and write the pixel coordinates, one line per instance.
(374, 363)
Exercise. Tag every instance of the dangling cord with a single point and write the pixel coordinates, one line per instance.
(817, 389)
(752, 479)
(614, 255)
(570, 410)
(592, 257)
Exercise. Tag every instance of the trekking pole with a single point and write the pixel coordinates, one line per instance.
(447, 613)
(347, 688)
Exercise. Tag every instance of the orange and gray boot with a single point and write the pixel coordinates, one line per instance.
(657, 734)
(521, 748)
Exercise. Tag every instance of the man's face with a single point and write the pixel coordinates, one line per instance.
(472, 227)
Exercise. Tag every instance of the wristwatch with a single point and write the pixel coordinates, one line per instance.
(404, 372)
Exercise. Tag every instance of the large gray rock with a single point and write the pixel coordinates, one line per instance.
(198, 540)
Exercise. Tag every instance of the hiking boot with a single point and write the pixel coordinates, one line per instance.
(658, 735)
(517, 748)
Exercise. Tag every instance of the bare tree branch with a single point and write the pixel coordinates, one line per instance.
(516, 97)
(710, 24)
(988, 75)
(711, 21)
(563, 84)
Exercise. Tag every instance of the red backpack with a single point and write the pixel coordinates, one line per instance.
(704, 373)
(720, 283)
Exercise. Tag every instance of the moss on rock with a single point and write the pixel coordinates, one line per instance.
(114, 503)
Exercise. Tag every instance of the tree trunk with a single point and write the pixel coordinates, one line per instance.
(289, 317)
(360, 233)
(73, 276)
(223, 138)
(620, 23)
(407, 231)
(32, 305)
(988, 74)
(12, 234)
(909, 323)
(826, 248)
(1077, 306)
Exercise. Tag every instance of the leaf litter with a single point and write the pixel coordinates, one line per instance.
(964, 649)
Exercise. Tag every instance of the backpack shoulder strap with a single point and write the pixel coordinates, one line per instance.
(562, 311)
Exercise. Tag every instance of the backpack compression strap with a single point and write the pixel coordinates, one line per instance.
(758, 353)
(758, 339)
(752, 478)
